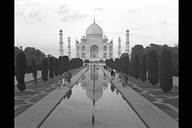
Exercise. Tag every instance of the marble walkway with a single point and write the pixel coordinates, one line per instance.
(34, 93)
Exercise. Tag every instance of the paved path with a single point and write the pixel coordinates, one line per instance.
(151, 115)
(36, 114)
(34, 93)
(168, 102)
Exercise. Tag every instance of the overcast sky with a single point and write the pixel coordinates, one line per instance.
(37, 22)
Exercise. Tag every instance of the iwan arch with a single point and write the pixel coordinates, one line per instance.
(94, 46)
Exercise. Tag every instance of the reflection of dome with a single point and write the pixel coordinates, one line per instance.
(94, 75)
(98, 92)
(94, 30)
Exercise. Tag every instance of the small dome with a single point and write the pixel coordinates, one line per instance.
(104, 37)
(94, 30)
(83, 37)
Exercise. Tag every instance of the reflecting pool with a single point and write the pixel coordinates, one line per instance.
(93, 103)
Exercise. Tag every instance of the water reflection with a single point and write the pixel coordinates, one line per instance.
(91, 103)
(117, 91)
(104, 76)
(69, 93)
(83, 77)
(94, 82)
(93, 120)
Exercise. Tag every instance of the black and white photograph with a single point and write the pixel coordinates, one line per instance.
(96, 63)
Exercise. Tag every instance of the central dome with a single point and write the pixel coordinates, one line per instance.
(94, 30)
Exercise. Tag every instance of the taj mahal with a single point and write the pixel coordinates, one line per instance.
(94, 45)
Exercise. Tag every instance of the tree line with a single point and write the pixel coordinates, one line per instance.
(31, 54)
(155, 63)
(50, 66)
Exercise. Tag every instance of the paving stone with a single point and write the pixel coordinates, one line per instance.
(32, 117)
(19, 101)
(148, 112)
(168, 110)
(173, 102)
(21, 109)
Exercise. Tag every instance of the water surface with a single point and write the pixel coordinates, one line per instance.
(93, 103)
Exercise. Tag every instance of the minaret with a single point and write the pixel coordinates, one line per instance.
(69, 48)
(119, 47)
(127, 42)
(77, 52)
(111, 43)
(61, 43)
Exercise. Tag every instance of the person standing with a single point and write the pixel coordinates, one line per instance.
(112, 74)
(69, 75)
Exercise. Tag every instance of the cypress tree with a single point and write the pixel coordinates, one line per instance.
(127, 65)
(20, 70)
(116, 64)
(45, 69)
(34, 70)
(65, 63)
(136, 67)
(56, 66)
(143, 68)
(51, 67)
(131, 67)
(166, 71)
(121, 65)
(153, 68)
(60, 66)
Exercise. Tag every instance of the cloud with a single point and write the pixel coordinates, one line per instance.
(135, 28)
(73, 17)
(34, 12)
(63, 9)
(164, 23)
(98, 10)
(19, 13)
(132, 11)
(29, 9)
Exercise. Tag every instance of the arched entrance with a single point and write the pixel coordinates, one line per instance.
(94, 51)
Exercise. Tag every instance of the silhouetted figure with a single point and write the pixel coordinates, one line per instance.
(112, 88)
(124, 78)
(117, 91)
(112, 74)
(64, 78)
(69, 93)
(68, 77)
(105, 67)
(34, 71)
(60, 80)
(93, 120)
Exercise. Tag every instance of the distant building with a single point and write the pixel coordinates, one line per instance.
(94, 46)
